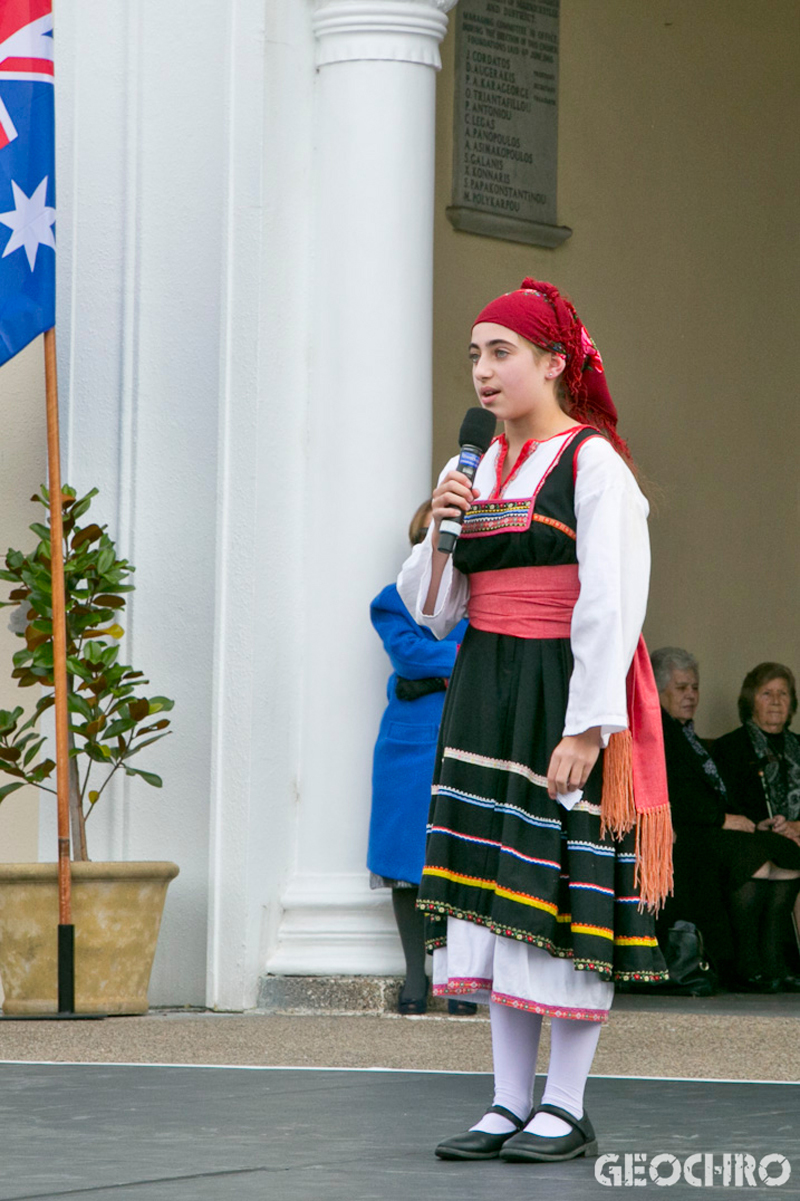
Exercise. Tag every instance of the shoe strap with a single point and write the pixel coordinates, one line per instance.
(506, 1113)
(566, 1116)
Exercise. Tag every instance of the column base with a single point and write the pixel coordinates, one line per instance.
(336, 925)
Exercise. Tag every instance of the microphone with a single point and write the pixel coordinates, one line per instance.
(475, 435)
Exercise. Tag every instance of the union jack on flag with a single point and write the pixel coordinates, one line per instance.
(27, 174)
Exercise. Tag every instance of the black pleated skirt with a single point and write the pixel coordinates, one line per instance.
(500, 852)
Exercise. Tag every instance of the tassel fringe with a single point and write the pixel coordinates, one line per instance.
(617, 808)
(618, 815)
(653, 875)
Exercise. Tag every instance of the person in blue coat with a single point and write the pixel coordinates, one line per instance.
(403, 765)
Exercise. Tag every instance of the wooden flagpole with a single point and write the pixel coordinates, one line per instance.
(66, 930)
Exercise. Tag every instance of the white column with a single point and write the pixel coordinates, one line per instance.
(369, 444)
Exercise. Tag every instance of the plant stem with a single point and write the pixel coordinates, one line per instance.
(76, 814)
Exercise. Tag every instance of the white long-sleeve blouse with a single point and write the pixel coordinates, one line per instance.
(613, 552)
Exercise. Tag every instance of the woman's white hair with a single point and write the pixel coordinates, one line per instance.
(668, 659)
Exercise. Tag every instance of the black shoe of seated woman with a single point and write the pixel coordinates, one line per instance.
(757, 984)
(478, 1144)
(535, 1148)
(789, 984)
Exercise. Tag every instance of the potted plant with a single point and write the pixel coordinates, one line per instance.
(117, 907)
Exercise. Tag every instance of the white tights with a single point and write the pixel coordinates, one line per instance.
(515, 1045)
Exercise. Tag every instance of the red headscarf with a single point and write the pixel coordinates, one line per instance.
(537, 311)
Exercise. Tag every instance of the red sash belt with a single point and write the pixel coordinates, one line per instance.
(537, 602)
(529, 602)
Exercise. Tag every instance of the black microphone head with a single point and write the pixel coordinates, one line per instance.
(477, 428)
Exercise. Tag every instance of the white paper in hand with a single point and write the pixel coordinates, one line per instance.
(570, 799)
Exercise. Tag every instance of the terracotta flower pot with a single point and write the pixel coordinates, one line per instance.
(116, 911)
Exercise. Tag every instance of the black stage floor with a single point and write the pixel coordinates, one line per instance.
(155, 1133)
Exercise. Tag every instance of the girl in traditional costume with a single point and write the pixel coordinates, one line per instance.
(549, 839)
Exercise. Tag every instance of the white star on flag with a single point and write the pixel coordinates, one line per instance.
(30, 222)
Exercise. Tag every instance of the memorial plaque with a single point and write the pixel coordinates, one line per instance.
(506, 120)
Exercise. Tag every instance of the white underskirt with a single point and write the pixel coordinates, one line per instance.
(486, 967)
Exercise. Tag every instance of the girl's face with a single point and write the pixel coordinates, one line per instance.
(510, 379)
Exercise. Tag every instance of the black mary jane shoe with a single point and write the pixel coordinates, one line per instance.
(479, 1144)
(535, 1148)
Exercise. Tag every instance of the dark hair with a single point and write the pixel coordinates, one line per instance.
(756, 679)
(419, 522)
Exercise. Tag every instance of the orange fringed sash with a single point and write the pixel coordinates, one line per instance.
(537, 602)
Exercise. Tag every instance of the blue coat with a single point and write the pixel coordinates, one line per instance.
(405, 752)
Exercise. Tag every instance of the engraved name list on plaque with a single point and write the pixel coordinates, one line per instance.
(506, 121)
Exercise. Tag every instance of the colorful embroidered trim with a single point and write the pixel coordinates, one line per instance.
(438, 912)
(597, 931)
(461, 984)
(522, 898)
(492, 842)
(470, 798)
(553, 1011)
(557, 525)
(519, 769)
(494, 517)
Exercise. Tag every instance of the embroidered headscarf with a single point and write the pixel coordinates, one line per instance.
(537, 311)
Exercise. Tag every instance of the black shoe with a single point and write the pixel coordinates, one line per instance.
(789, 984)
(758, 984)
(535, 1148)
(478, 1144)
(458, 1008)
(413, 1006)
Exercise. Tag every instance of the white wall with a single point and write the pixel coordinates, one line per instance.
(166, 249)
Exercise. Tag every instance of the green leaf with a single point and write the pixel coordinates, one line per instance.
(41, 531)
(77, 704)
(149, 776)
(33, 751)
(93, 652)
(99, 753)
(8, 720)
(105, 560)
(43, 655)
(108, 655)
(121, 726)
(159, 704)
(41, 771)
(7, 789)
(148, 742)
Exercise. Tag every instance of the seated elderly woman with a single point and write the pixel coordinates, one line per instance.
(729, 877)
(760, 761)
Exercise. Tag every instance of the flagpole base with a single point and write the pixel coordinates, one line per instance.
(66, 969)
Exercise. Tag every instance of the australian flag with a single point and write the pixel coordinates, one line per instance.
(27, 174)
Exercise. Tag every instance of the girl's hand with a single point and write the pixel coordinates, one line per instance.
(452, 497)
(572, 761)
